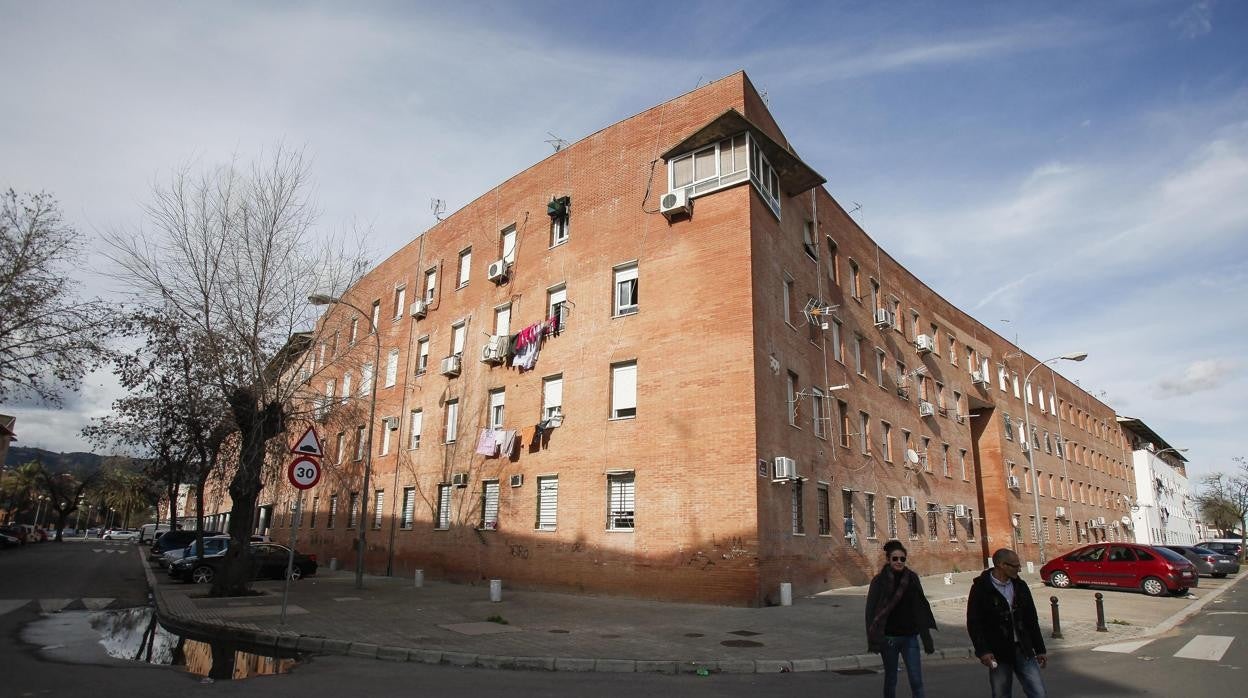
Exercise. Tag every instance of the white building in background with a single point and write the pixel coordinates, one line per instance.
(1164, 510)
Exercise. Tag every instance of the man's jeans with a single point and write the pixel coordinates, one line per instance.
(907, 647)
(1028, 671)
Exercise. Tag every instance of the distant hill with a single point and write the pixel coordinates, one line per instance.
(77, 462)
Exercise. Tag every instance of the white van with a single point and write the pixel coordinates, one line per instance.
(149, 532)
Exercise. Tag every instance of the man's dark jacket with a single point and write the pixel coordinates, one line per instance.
(988, 619)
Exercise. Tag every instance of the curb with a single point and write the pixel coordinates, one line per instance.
(288, 642)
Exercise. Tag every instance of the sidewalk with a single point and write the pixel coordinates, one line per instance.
(444, 623)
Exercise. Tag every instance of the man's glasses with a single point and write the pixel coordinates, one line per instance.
(897, 559)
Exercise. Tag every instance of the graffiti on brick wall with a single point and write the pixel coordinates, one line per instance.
(699, 560)
(520, 551)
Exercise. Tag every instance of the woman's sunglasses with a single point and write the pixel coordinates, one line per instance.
(897, 559)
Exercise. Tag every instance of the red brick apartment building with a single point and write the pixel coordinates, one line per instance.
(738, 386)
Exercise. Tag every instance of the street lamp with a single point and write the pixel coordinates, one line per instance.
(1035, 479)
(39, 509)
(322, 299)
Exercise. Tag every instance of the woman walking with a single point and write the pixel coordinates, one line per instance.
(898, 615)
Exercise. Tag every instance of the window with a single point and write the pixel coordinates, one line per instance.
(495, 416)
(944, 450)
(1009, 428)
(333, 511)
(353, 511)
(392, 368)
(858, 355)
(431, 284)
(870, 516)
(834, 272)
(547, 502)
(875, 297)
(912, 524)
(387, 426)
(933, 515)
(808, 240)
(843, 410)
(890, 505)
(502, 320)
(400, 296)
(711, 167)
(953, 523)
(459, 334)
(355, 330)
(556, 304)
(787, 298)
(1014, 378)
(359, 442)
(953, 350)
(465, 266)
(489, 505)
(935, 340)
(823, 510)
(342, 447)
(443, 521)
(366, 379)
(621, 497)
(926, 457)
(329, 396)
(1043, 406)
(847, 507)
(816, 411)
(962, 462)
(957, 405)
(452, 420)
(879, 366)
(887, 443)
(624, 390)
(552, 396)
(509, 244)
(855, 281)
(375, 317)
(346, 385)
(1002, 379)
(422, 355)
(799, 526)
(379, 497)
(559, 209)
(316, 504)
(838, 349)
(969, 524)
(864, 429)
(409, 508)
(626, 289)
(791, 398)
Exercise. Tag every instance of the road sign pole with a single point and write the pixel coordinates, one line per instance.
(290, 560)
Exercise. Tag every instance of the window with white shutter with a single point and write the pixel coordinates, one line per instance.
(417, 423)
(552, 396)
(379, 497)
(366, 379)
(465, 266)
(547, 502)
(621, 501)
(497, 398)
(333, 511)
(502, 320)
(392, 367)
(624, 390)
(459, 332)
(452, 420)
(489, 505)
(509, 244)
(626, 289)
(444, 507)
(409, 507)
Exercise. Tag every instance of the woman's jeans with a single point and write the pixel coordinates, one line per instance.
(1025, 668)
(907, 647)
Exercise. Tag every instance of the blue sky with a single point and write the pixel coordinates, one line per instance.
(1073, 174)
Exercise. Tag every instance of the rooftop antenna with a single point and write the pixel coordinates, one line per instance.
(699, 83)
(438, 206)
(556, 142)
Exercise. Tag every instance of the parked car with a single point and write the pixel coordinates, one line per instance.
(125, 534)
(175, 540)
(15, 531)
(1225, 546)
(1155, 570)
(268, 561)
(150, 532)
(94, 533)
(212, 546)
(1207, 561)
(7, 541)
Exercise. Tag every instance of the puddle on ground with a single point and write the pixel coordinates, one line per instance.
(133, 634)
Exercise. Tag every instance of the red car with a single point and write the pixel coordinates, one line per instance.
(1154, 570)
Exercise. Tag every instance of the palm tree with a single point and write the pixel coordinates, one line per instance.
(18, 486)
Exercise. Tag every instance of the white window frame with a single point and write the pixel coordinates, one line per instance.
(452, 421)
(379, 498)
(498, 400)
(386, 428)
(489, 505)
(465, 267)
(407, 514)
(502, 320)
(392, 368)
(625, 286)
(443, 520)
(366, 379)
(431, 284)
(400, 298)
(508, 244)
(817, 416)
(624, 390)
(552, 396)
(547, 518)
(416, 423)
(621, 501)
(459, 337)
(422, 355)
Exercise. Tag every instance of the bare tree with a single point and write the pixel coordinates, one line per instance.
(1228, 495)
(232, 253)
(48, 338)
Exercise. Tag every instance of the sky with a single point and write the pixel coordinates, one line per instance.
(1074, 175)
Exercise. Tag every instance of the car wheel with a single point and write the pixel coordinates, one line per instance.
(296, 574)
(202, 574)
(1153, 586)
(1060, 579)
(1218, 575)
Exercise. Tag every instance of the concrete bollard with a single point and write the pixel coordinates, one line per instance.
(419, 578)
(1031, 567)
(496, 590)
(333, 564)
(1100, 613)
(948, 578)
(786, 594)
(1057, 621)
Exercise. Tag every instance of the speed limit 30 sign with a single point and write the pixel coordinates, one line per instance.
(304, 472)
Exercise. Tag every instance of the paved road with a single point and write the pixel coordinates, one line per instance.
(74, 569)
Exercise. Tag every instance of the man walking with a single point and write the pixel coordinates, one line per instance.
(1001, 620)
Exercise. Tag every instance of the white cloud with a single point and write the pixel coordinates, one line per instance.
(1199, 376)
(1195, 21)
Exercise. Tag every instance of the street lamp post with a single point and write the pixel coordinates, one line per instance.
(322, 299)
(1035, 478)
(39, 509)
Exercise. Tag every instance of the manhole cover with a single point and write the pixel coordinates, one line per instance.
(744, 633)
(855, 672)
(694, 635)
(561, 632)
(741, 643)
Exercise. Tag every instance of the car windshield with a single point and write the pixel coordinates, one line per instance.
(1170, 555)
(1203, 551)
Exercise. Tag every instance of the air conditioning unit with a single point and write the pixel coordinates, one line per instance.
(925, 343)
(907, 504)
(1060, 512)
(979, 378)
(498, 271)
(783, 468)
(494, 351)
(390, 422)
(674, 203)
(450, 366)
(418, 309)
(517, 480)
(959, 511)
(884, 319)
(926, 409)
(1100, 521)
(459, 479)
(1012, 482)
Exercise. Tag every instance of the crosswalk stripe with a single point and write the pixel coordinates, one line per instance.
(7, 605)
(1207, 647)
(1122, 647)
(53, 605)
(96, 604)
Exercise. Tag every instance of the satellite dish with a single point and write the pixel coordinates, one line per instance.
(912, 456)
